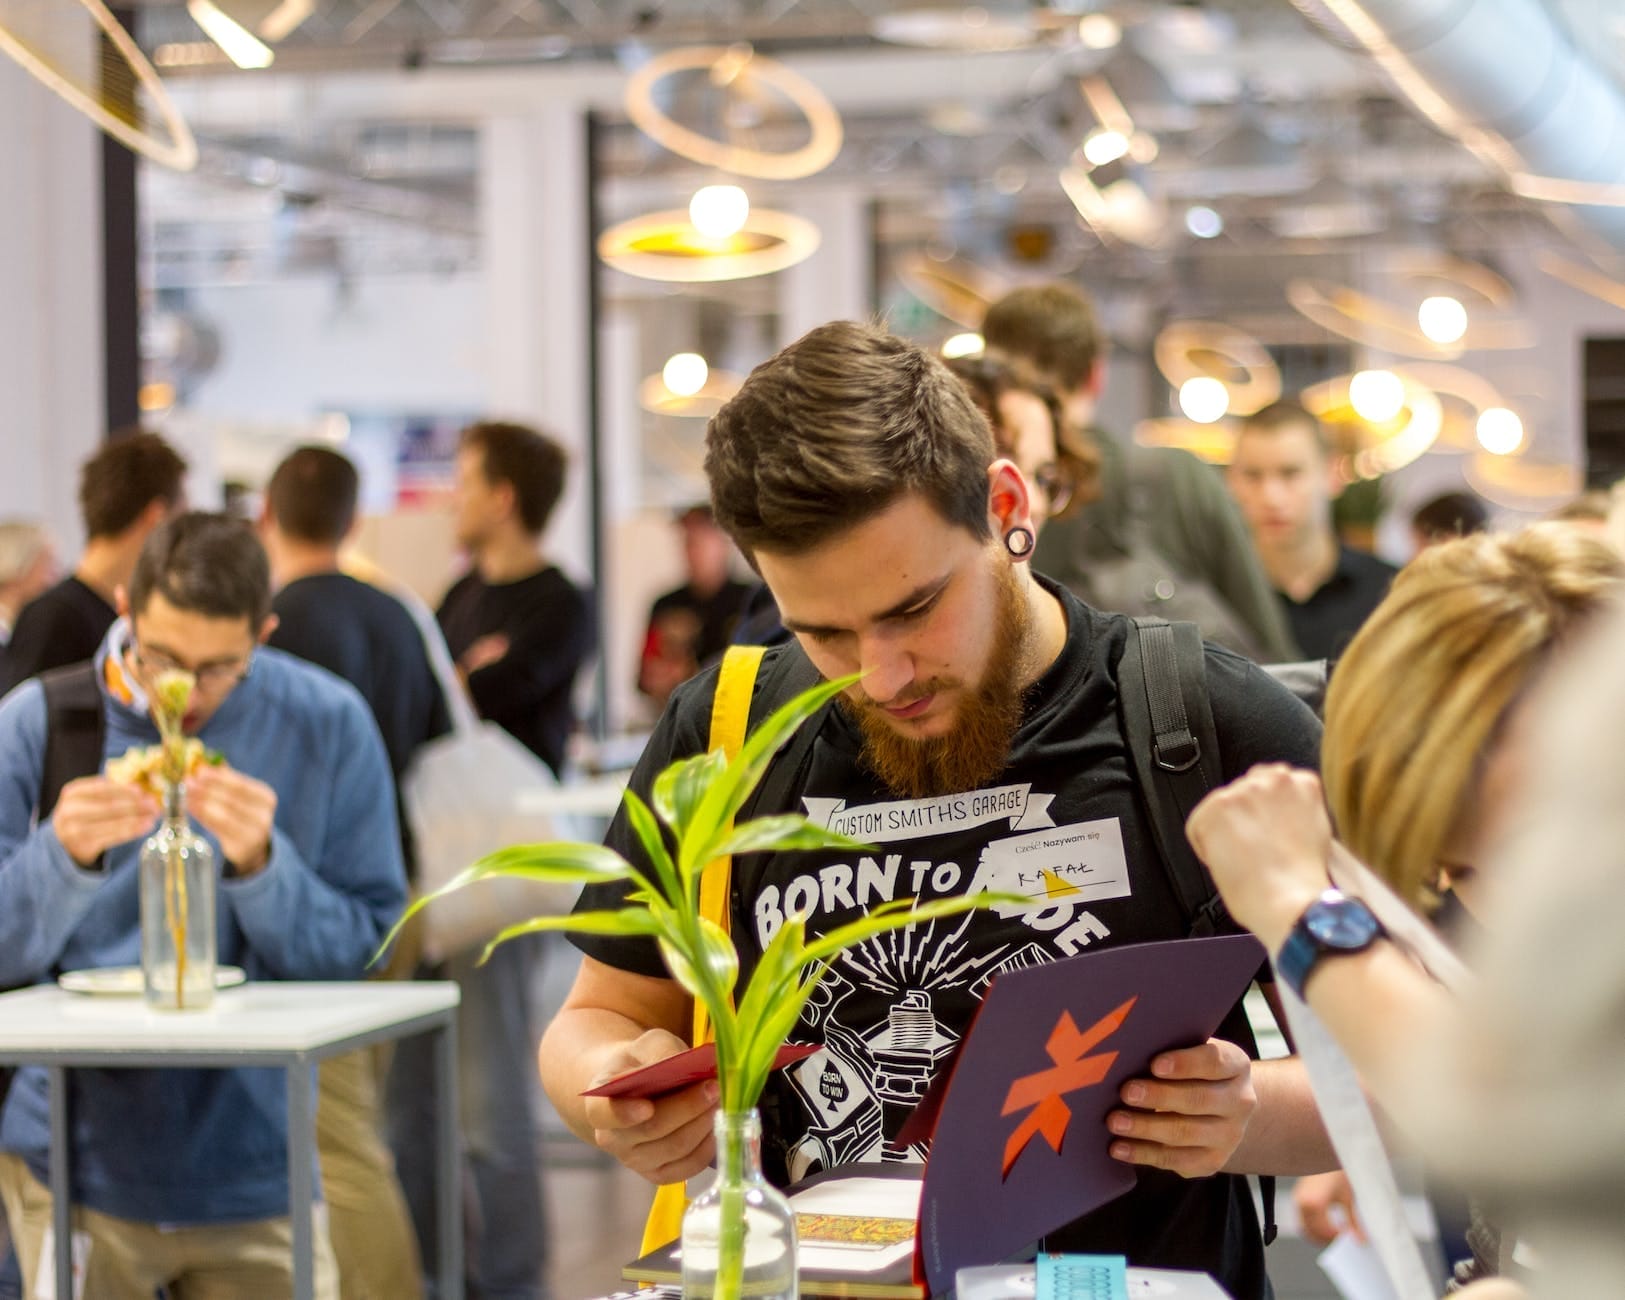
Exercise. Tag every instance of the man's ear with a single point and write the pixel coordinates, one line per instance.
(272, 622)
(1008, 502)
(1095, 384)
(121, 600)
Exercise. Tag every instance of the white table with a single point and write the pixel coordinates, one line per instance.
(267, 1023)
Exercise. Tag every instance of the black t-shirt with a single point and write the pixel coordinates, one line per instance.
(367, 637)
(1324, 624)
(703, 626)
(61, 626)
(1069, 765)
(549, 625)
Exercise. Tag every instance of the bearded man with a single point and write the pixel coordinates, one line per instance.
(855, 474)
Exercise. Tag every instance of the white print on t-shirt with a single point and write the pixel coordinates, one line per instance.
(913, 819)
(1083, 862)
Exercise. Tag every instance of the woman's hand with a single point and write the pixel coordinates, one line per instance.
(1266, 839)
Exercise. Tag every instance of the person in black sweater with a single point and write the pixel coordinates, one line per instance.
(128, 488)
(691, 626)
(369, 638)
(519, 630)
(1283, 476)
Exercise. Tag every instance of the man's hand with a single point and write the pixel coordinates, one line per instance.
(1326, 1207)
(1266, 839)
(483, 653)
(1191, 1116)
(667, 1139)
(238, 811)
(93, 814)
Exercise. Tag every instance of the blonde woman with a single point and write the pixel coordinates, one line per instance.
(1424, 748)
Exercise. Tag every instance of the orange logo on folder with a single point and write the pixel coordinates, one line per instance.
(1072, 1070)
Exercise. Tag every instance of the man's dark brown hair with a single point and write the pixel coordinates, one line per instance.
(129, 473)
(1280, 416)
(1051, 327)
(528, 461)
(205, 564)
(312, 496)
(836, 428)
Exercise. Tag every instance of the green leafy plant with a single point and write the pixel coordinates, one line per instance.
(689, 827)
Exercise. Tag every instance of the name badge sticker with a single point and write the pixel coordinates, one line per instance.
(1080, 863)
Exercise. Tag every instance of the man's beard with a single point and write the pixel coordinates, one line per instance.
(985, 722)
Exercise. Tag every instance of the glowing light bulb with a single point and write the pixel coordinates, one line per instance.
(1377, 395)
(719, 211)
(1204, 222)
(1204, 399)
(685, 374)
(963, 345)
(1442, 318)
(1099, 31)
(1500, 431)
(1103, 146)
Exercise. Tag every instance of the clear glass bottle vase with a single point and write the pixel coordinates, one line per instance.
(739, 1235)
(177, 912)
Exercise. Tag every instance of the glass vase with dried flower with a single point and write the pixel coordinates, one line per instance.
(177, 864)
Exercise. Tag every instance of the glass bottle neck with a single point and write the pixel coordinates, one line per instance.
(175, 804)
(739, 1146)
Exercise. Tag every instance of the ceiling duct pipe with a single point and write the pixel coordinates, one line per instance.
(1505, 79)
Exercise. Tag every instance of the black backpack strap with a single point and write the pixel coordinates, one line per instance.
(1168, 724)
(75, 731)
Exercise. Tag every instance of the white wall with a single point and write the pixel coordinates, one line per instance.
(51, 354)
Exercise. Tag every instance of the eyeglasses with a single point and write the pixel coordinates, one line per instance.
(1058, 484)
(209, 677)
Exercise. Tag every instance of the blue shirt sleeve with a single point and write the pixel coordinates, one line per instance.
(44, 894)
(321, 914)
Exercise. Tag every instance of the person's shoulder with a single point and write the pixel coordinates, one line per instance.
(22, 710)
(1257, 717)
(296, 687)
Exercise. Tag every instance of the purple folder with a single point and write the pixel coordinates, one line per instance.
(1020, 1146)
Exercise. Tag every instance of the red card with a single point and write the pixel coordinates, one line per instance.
(693, 1066)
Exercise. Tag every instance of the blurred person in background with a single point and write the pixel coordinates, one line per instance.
(518, 629)
(1026, 419)
(1446, 516)
(520, 633)
(367, 637)
(693, 624)
(1425, 750)
(180, 1176)
(1162, 520)
(1282, 476)
(27, 567)
(126, 490)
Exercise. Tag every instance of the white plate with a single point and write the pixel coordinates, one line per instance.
(125, 981)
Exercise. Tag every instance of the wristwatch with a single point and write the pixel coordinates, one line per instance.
(1333, 925)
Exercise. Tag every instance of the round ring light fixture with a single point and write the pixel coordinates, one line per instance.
(955, 289)
(1200, 349)
(1434, 279)
(736, 69)
(1371, 448)
(665, 246)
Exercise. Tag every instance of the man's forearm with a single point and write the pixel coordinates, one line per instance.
(1286, 1135)
(571, 1056)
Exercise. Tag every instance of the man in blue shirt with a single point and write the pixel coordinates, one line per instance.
(181, 1175)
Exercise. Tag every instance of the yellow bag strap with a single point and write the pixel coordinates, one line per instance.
(730, 718)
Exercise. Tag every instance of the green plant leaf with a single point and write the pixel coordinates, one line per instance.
(708, 972)
(773, 977)
(727, 794)
(678, 790)
(649, 835)
(627, 921)
(556, 862)
(787, 831)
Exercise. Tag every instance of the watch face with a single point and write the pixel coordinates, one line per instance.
(1341, 923)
